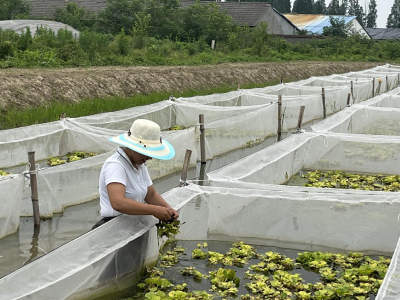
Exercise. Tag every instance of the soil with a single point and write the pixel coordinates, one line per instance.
(25, 88)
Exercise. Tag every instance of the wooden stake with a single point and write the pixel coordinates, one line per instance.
(323, 102)
(63, 116)
(279, 117)
(202, 140)
(348, 100)
(238, 86)
(373, 87)
(185, 167)
(34, 189)
(352, 89)
(281, 80)
(387, 83)
(212, 44)
(300, 120)
(202, 174)
(379, 86)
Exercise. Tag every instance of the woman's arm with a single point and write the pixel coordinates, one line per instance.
(154, 198)
(116, 193)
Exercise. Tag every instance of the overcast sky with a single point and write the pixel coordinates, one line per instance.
(383, 6)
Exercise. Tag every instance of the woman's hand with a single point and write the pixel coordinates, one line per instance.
(164, 213)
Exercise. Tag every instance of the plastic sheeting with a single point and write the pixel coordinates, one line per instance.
(294, 218)
(77, 182)
(11, 187)
(314, 151)
(20, 25)
(103, 260)
(232, 120)
(390, 288)
(364, 120)
(161, 113)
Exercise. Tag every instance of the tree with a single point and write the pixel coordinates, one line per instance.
(120, 14)
(165, 18)
(11, 9)
(372, 15)
(355, 9)
(303, 6)
(393, 20)
(72, 15)
(206, 21)
(343, 7)
(338, 27)
(283, 6)
(333, 8)
(319, 7)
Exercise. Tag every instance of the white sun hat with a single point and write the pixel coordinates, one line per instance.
(144, 137)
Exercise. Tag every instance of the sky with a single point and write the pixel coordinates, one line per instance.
(383, 6)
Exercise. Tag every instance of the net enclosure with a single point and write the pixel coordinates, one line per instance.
(91, 264)
(241, 196)
(233, 120)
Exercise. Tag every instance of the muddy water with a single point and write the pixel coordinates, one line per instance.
(26, 244)
(185, 260)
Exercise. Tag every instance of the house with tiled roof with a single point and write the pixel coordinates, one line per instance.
(243, 13)
(47, 8)
(384, 33)
(253, 13)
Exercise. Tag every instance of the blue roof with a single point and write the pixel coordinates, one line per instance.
(315, 23)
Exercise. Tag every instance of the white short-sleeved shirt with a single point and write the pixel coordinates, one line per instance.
(118, 168)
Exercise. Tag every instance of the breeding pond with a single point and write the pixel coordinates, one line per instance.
(382, 127)
(346, 180)
(223, 270)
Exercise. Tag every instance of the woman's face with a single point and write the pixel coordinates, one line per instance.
(136, 158)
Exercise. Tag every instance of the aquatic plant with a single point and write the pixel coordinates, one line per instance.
(168, 229)
(3, 173)
(343, 180)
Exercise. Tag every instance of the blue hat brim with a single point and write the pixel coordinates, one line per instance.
(154, 152)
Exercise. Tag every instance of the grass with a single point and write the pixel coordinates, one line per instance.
(16, 117)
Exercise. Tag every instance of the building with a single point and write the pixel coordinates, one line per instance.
(253, 13)
(20, 26)
(247, 13)
(316, 23)
(47, 8)
(384, 33)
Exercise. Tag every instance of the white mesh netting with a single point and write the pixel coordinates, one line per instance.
(246, 190)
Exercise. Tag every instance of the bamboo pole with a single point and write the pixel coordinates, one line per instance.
(185, 167)
(348, 100)
(202, 140)
(323, 102)
(300, 120)
(279, 117)
(34, 189)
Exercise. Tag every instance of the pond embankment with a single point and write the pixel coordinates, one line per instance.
(25, 88)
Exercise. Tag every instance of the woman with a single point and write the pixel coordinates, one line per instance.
(125, 186)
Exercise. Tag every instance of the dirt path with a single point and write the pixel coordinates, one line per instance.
(30, 87)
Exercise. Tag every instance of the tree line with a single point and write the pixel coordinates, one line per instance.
(161, 32)
(367, 15)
